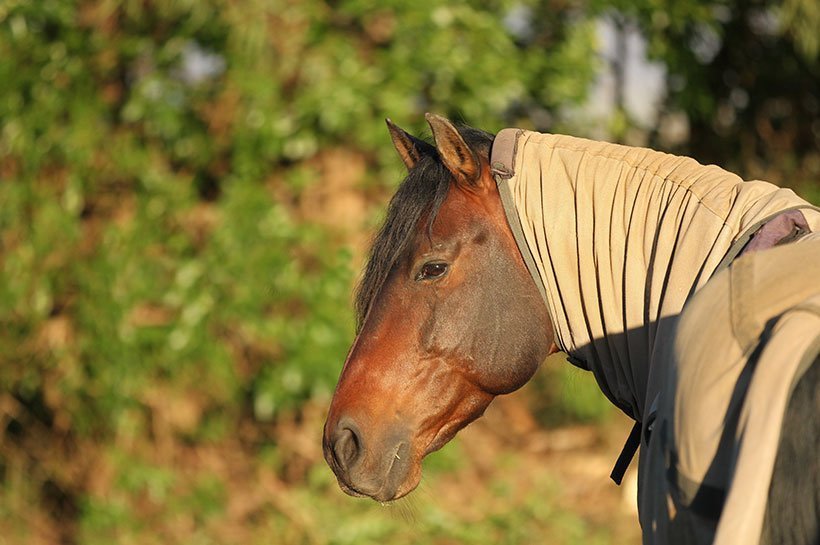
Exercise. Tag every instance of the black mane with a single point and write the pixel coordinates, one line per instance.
(420, 195)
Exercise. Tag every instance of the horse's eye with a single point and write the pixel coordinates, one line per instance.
(432, 270)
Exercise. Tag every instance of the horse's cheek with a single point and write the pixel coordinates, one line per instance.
(507, 374)
(486, 332)
(514, 346)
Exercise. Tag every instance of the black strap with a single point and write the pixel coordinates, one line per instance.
(627, 453)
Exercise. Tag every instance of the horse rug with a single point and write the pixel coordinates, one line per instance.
(619, 240)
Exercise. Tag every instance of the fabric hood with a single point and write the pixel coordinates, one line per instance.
(618, 238)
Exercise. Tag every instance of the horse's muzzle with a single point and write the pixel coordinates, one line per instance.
(367, 467)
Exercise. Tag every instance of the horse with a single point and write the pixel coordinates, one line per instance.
(499, 250)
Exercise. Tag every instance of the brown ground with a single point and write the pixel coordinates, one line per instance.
(578, 457)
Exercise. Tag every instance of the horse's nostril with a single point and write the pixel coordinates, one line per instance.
(346, 447)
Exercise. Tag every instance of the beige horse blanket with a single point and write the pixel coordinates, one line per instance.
(619, 239)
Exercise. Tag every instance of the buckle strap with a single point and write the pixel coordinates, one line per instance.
(627, 454)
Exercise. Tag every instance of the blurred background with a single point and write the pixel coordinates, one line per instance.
(187, 191)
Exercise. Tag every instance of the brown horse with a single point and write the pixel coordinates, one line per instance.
(449, 316)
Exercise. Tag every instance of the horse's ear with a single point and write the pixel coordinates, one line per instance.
(457, 156)
(410, 148)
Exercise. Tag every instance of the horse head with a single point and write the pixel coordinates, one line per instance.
(449, 317)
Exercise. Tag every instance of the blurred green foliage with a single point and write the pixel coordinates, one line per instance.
(174, 290)
(162, 284)
(745, 74)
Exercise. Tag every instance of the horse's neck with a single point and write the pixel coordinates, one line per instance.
(621, 238)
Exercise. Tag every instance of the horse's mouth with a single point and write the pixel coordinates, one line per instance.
(381, 495)
(349, 490)
(396, 483)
